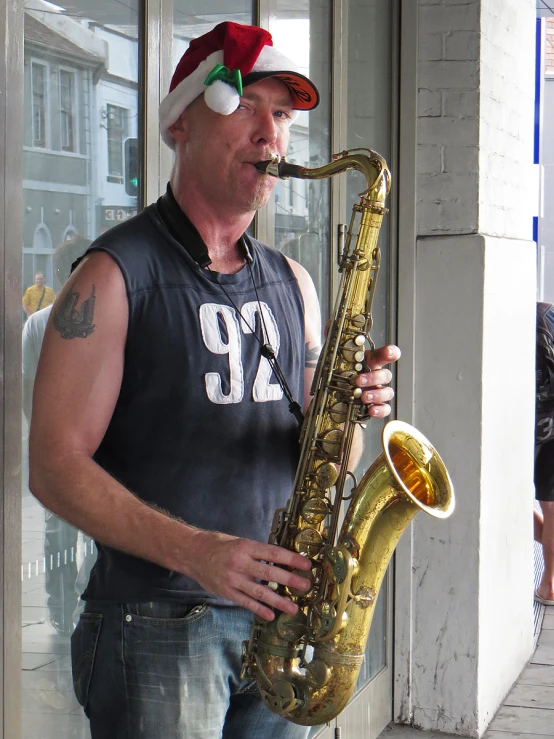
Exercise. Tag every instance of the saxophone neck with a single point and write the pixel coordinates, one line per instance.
(368, 162)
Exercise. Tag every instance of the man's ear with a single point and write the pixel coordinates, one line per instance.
(180, 129)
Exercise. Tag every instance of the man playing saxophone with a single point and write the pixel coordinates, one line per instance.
(173, 367)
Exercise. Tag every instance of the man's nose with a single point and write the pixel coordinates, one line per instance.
(265, 131)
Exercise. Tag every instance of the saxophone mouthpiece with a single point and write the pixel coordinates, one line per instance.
(279, 168)
(269, 166)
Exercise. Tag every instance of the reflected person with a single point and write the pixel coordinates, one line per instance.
(38, 296)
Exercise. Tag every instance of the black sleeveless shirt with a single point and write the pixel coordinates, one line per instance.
(201, 428)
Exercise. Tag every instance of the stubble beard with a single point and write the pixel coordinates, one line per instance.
(259, 197)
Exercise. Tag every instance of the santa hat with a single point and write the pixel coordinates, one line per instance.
(220, 63)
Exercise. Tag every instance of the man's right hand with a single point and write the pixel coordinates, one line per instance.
(233, 568)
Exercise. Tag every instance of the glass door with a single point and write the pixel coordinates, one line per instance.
(370, 89)
(80, 158)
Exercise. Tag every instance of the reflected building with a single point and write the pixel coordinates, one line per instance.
(80, 106)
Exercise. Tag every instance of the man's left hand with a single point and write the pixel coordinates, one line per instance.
(376, 392)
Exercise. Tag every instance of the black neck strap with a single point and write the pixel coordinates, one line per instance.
(182, 229)
(185, 233)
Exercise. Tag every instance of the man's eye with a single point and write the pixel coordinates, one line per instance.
(284, 114)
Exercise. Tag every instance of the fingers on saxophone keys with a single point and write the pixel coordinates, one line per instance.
(379, 411)
(383, 355)
(276, 575)
(258, 596)
(253, 605)
(374, 379)
(378, 396)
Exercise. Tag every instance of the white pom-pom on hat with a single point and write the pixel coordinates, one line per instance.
(222, 98)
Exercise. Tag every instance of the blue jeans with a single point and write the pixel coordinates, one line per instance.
(169, 671)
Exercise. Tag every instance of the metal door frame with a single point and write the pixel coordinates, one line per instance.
(11, 206)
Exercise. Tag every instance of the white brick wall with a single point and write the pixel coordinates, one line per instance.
(475, 108)
(474, 290)
(507, 107)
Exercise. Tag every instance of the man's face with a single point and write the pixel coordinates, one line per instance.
(219, 151)
(39, 279)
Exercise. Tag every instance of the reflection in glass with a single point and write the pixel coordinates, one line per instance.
(193, 18)
(302, 208)
(81, 104)
(369, 77)
(116, 124)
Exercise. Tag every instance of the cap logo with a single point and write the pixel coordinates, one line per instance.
(294, 85)
(231, 77)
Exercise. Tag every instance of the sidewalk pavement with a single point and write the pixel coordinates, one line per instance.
(527, 711)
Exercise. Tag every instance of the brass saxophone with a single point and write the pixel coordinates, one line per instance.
(306, 665)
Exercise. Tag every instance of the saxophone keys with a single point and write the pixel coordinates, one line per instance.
(352, 352)
(308, 542)
(314, 510)
(281, 699)
(323, 621)
(337, 562)
(292, 627)
(325, 477)
(317, 674)
(331, 442)
(338, 413)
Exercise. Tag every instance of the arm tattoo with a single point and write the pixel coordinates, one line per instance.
(73, 323)
(312, 355)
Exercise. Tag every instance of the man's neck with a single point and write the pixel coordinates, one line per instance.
(219, 230)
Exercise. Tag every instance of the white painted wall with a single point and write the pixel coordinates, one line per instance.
(470, 630)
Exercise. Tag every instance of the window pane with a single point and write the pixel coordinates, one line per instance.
(192, 19)
(117, 133)
(302, 208)
(39, 104)
(66, 110)
(369, 77)
(79, 66)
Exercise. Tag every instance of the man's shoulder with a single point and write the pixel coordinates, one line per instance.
(141, 248)
(131, 232)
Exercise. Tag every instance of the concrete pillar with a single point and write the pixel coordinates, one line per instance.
(466, 624)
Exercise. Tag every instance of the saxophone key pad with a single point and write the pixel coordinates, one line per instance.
(331, 442)
(314, 510)
(292, 627)
(338, 413)
(308, 542)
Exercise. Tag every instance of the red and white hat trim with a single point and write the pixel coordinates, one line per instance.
(184, 94)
